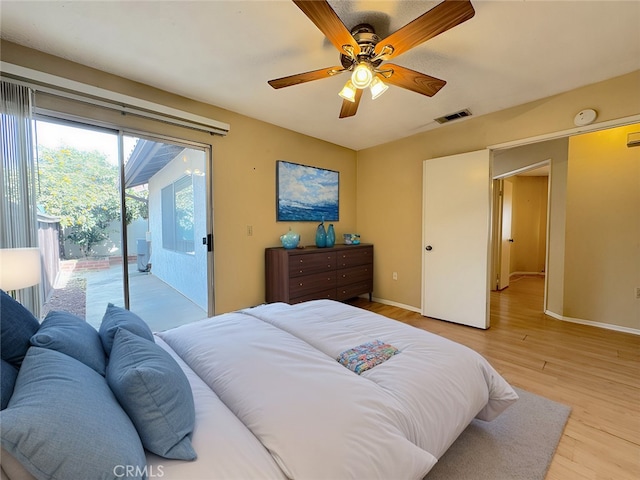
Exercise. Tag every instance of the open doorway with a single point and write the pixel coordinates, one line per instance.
(540, 170)
(101, 193)
(521, 224)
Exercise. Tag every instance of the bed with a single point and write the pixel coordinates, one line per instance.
(271, 400)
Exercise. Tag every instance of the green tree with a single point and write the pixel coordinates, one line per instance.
(82, 189)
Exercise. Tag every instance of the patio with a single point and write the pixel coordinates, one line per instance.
(154, 301)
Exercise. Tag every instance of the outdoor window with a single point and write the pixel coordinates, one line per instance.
(177, 216)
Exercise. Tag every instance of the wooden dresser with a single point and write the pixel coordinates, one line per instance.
(300, 274)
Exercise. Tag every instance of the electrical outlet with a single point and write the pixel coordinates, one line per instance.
(395, 275)
(249, 230)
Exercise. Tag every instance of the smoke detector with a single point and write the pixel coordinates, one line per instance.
(584, 117)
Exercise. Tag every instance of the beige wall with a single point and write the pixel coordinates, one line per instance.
(603, 228)
(389, 207)
(244, 172)
(381, 187)
(529, 224)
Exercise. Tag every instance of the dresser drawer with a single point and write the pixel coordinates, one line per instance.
(357, 274)
(299, 286)
(357, 256)
(325, 294)
(311, 263)
(353, 290)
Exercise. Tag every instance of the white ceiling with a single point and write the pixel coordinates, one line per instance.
(223, 53)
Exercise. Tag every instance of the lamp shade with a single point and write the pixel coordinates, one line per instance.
(19, 268)
(377, 88)
(348, 92)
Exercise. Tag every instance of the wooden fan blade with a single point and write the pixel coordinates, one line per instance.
(412, 80)
(439, 19)
(324, 17)
(305, 77)
(349, 109)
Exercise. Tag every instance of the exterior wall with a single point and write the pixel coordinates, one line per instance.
(111, 246)
(185, 272)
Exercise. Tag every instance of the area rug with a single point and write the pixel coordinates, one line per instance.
(518, 445)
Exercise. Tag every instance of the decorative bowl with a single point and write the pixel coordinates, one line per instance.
(290, 239)
(351, 238)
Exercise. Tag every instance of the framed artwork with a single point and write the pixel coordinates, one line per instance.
(306, 194)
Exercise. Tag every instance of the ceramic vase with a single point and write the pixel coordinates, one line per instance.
(290, 239)
(321, 236)
(331, 236)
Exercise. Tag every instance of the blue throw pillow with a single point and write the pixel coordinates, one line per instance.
(155, 393)
(63, 422)
(69, 334)
(118, 317)
(8, 373)
(17, 326)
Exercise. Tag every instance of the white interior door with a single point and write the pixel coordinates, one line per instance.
(505, 237)
(456, 208)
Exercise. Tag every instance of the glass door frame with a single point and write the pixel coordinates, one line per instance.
(207, 149)
(96, 125)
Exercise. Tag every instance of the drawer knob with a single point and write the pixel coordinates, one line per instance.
(301, 284)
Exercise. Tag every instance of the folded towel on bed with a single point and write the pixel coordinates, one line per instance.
(366, 356)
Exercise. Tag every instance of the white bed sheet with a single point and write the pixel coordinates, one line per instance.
(226, 448)
(316, 418)
(270, 372)
(441, 385)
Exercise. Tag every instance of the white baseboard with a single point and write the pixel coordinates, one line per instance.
(394, 304)
(608, 326)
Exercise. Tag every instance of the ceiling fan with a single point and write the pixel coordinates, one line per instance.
(363, 53)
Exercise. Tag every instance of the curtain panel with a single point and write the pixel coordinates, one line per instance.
(18, 175)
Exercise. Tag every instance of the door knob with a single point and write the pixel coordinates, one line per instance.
(428, 248)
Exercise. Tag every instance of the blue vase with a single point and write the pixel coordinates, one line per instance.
(331, 236)
(321, 236)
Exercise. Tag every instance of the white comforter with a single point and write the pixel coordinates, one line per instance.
(282, 400)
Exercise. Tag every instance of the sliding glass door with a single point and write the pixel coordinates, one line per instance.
(132, 214)
(167, 234)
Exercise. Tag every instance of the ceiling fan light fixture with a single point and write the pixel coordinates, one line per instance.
(377, 87)
(348, 92)
(362, 75)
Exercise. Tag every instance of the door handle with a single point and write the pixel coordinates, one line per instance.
(208, 241)
(428, 248)
(511, 240)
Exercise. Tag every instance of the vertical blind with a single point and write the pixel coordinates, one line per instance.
(18, 176)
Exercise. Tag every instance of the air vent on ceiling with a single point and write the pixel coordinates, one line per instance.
(454, 116)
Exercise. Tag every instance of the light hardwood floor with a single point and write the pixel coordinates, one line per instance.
(595, 371)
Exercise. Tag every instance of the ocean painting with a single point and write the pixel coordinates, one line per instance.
(306, 194)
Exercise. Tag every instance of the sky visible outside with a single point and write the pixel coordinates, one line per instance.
(53, 135)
